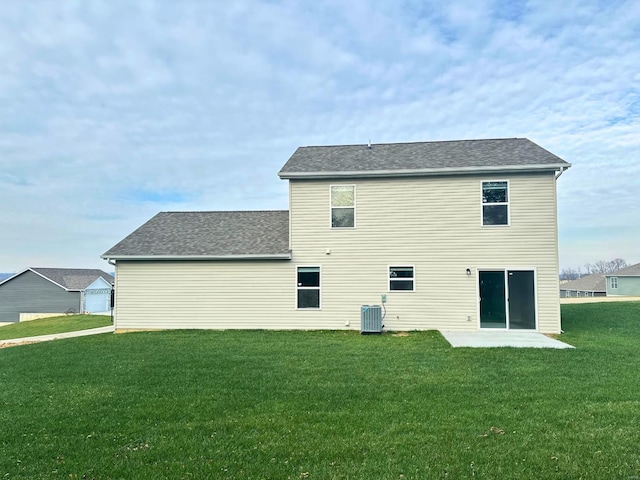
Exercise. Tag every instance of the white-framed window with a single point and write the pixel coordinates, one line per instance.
(614, 282)
(308, 287)
(567, 293)
(343, 206)
(402, 277)
(495, 203)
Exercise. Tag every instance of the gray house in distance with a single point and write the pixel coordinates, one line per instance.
(587, 286)
(54, 290)
(624, 282)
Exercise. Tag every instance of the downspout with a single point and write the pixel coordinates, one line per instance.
(555, 196)
(111, 295)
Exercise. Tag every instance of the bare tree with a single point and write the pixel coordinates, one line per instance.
(617, 264)
(569, 274)
(602, 267)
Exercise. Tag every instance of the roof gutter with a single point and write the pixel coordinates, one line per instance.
(561, 171)
(422, 172)
(274, 256)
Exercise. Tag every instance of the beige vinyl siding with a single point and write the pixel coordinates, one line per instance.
(216, 295)
(205, 294)
(434, 224)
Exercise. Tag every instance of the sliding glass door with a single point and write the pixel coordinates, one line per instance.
(507, 299)
(493, 310)
(522, 300)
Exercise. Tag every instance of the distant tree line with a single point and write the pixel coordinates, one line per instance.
(601, 267)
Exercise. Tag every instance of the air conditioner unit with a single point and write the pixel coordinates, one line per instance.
(371, 319)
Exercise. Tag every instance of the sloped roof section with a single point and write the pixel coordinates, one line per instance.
(72, 278)
(632, 271)
(420, 158)
(588, 283)
(208, 235)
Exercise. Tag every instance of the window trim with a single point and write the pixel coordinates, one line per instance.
(319, 287)
(507, 203)
(614, 287)
(331, 207)
(401, 265)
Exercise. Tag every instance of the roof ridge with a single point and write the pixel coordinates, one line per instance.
(415, 142)
(224, 211)
(67, 269)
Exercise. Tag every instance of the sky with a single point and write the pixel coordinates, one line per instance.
(111, 111)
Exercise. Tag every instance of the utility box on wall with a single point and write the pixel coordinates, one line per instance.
(371, 319)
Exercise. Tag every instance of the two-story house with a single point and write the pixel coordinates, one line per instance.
(455, 235)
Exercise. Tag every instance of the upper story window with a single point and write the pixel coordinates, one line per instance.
(614, 282)
(343, 206)
(401, 278)
(495, 203)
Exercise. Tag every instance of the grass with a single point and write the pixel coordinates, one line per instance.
(45, 326)
(325, 405)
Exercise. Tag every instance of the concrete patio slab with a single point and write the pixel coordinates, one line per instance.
(489, 339)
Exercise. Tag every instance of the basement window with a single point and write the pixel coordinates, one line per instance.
(495, 203)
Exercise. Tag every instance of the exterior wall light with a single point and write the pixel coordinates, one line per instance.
(468, 271)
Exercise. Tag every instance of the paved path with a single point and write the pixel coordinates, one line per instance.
(55, 336)
(485, 339)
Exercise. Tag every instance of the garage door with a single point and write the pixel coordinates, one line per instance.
(97, 300)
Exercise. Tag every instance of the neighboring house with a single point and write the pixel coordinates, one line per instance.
(54, 290)
(587, 286)
(458, 235)
(624, 282)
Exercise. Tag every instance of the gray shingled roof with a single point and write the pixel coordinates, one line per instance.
(420, 158)
(588, 283)
(208, 234)
(73, 278)
(631, 270)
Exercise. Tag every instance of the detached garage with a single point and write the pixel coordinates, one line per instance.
(54, 290)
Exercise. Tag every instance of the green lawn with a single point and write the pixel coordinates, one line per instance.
(45, 326)
(325, 405)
